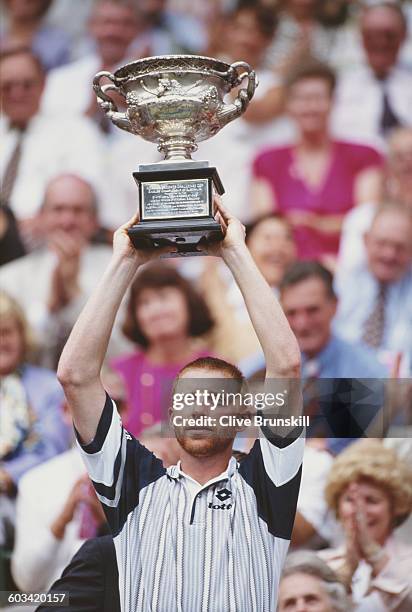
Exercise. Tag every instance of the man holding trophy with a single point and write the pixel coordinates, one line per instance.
(208, 534)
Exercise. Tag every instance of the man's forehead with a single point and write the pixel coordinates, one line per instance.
(401, 142)
(199, 380)
(382, 16)
(60, 205)
(20, 63)
(388, 223)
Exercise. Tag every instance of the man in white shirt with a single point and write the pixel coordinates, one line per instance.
(398, 188)
(112, 28)
(375, 297)
(36, 147)
(376, 97)
(53, 283)
(178, 546)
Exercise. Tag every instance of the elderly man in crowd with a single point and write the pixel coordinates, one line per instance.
(112, 28)
(309, 302)
(36, 147)
(309, 584)
(331, 366)
(377, 97)
(53, 283)
(375, 304)
(397, 188)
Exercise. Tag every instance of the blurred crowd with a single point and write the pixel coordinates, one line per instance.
(319, 169)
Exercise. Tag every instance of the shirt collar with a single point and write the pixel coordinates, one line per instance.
(176, 472)
(312, 366)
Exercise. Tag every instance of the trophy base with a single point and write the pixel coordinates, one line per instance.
(176, 206)
(184, 234)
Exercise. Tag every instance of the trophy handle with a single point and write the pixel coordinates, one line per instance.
(244, 96)
(107, 104)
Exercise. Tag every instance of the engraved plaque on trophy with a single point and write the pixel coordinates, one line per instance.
(176, 101)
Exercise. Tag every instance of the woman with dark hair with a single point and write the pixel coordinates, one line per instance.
(165, 317)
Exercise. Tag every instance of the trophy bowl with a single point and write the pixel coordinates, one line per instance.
(175, 100)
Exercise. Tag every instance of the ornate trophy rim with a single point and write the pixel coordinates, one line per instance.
(197, 63)
(165, 107)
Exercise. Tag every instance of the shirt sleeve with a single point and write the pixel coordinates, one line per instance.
(311, 502)
(363, 157)
(119, 466)
(273, 469)
(263, 166)
(393, 585)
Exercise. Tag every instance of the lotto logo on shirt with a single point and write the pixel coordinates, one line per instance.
(222, 495)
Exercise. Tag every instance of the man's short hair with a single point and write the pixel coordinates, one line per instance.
(219, 367)
(214, 364)
(308, 562)
(312, 69)
(16, 51)
(304, 270)
(157, 276)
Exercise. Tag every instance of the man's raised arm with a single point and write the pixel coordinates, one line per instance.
(279, 345)
(82, 358)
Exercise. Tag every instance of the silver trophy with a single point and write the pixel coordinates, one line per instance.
(176, 101)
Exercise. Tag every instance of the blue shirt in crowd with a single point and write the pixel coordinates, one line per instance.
(45, 397)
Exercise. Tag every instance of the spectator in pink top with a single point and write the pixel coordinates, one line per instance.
(165, 316)
(317, 180)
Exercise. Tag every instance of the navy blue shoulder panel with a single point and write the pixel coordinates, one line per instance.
(141, 468)
(276, 506)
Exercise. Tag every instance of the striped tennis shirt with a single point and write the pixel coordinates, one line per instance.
(219, 547)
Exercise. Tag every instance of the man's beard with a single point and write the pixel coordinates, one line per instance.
(204, 446)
